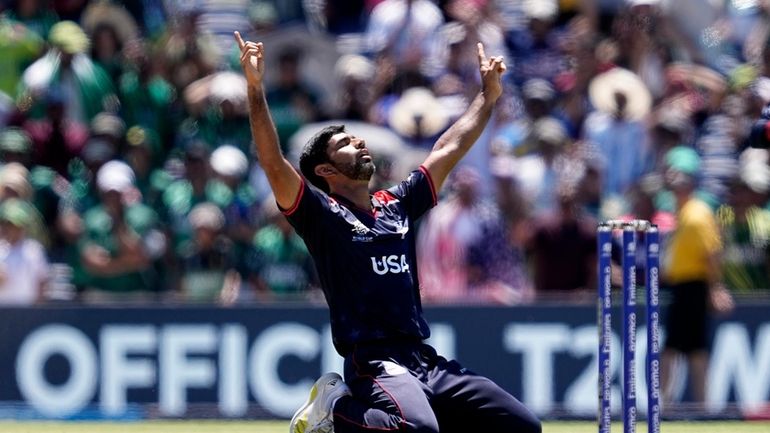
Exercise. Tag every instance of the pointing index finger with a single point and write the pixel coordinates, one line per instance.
(482, 56)
(239, 39)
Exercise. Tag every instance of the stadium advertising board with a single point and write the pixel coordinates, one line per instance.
(260, 362)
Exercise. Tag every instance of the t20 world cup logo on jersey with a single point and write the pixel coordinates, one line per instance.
(393, 264)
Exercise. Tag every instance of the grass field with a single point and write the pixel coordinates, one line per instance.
(207, 426)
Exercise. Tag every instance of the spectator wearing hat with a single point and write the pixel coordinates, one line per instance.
(86, 88)
(23, 262)
(231, 167)
(120, 241)
(616, 127)
(106, 50)
(692, 271)
(745, 226)
(208, 263)
(418, 117)
(110, 26)
(279, 264)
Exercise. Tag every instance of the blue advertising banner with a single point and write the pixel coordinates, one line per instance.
(259, 362)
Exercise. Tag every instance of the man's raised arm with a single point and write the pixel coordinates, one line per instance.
(283, 178)
(458, 139)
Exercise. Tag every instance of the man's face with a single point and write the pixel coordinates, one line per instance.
(349, 155)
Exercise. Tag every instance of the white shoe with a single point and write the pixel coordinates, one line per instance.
(315, 416)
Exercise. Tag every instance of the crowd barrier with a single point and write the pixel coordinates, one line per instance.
(129, 362)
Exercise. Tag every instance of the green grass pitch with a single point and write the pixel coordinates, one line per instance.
(210, 426)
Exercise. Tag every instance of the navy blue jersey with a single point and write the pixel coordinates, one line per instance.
(366, 260)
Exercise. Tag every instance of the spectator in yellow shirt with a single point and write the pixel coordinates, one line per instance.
(692, 271)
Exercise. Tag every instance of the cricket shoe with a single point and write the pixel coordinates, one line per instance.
(315, 416)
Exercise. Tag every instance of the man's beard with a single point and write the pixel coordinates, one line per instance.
(360, 170)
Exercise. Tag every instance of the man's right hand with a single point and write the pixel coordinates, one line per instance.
(252, 61)
(284, 179)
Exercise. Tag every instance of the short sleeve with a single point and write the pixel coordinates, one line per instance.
(416, 192)
(307, 213)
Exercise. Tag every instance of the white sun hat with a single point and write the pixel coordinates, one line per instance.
(115, 176)
(228, 160)
(418, 113)
(604, 87)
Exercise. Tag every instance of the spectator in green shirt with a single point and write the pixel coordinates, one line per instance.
(745, 226)
(216, 105)
(142, 149)
(121, 241)
(87, 88)
(280, 266)
(197, 186)
(147, 99)
(208, 264)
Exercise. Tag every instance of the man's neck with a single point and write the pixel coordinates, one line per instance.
(357, 193)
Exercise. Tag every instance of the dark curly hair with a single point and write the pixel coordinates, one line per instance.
(314, 153)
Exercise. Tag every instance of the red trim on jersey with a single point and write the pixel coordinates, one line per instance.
(430, 182)
(384, 196)
(294, 206)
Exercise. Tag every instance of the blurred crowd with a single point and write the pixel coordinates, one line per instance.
(128, 172)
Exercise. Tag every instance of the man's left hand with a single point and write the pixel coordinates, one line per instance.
(491, 71)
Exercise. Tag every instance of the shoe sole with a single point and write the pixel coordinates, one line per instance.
(307, 406)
